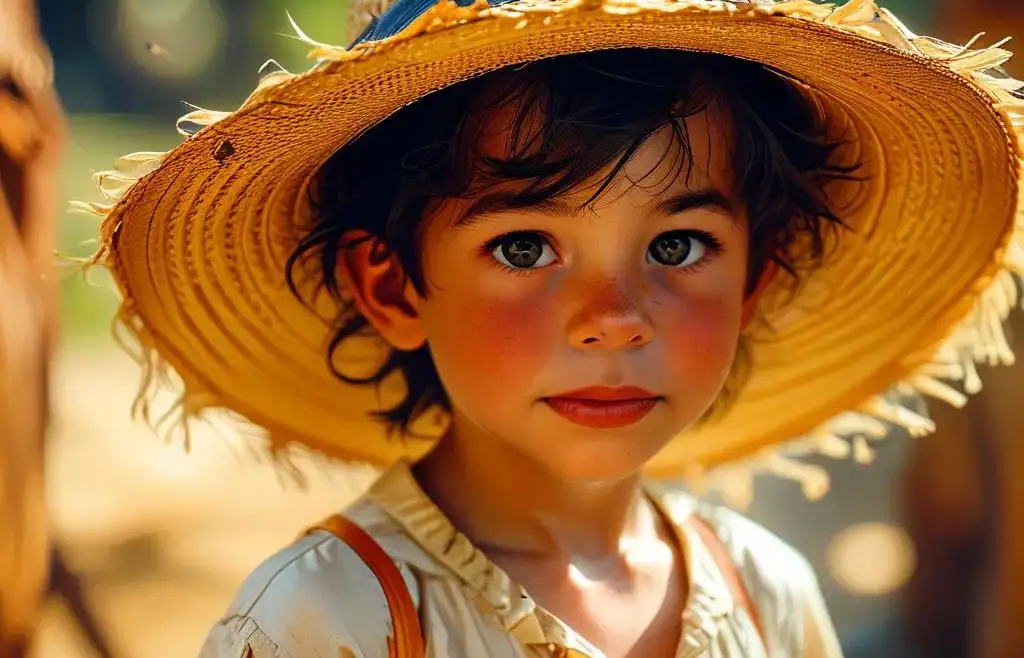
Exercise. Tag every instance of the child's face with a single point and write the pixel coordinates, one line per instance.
(643, 288)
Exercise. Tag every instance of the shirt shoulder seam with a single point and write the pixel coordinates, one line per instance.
(270, 580)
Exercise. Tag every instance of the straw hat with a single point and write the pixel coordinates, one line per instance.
(912, 297)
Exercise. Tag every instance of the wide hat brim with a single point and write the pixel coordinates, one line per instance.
(914, 293)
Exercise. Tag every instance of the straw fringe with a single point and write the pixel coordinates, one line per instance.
(174, 422)
(950, 374)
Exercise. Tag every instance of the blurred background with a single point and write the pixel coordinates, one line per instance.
(162, 538)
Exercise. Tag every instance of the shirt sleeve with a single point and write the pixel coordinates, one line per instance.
(820, 639)
(315, 599)
(783, 586)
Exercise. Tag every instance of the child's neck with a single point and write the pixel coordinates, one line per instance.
(505, 502)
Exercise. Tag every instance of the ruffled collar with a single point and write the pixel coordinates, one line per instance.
(400, 497)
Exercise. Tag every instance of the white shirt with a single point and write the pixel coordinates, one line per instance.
(317, 599)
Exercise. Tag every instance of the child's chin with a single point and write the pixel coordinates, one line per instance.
(593, 459)
(598, 472)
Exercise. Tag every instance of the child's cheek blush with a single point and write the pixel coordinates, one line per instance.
(498, 346)
(700, 338)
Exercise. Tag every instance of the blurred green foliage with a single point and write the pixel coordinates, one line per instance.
(918, 15)
(325, 22)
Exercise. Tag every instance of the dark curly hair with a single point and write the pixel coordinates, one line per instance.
(595, 110)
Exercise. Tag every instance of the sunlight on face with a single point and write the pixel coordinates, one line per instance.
(639, 294)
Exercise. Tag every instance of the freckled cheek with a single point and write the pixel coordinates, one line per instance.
(700, 336)
(491, 347)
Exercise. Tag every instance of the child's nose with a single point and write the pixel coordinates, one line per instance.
(611, 318)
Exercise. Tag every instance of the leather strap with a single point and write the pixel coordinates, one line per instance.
(740, 594)
(407, 636)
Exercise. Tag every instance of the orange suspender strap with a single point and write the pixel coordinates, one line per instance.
(407, 640)
(740, 594)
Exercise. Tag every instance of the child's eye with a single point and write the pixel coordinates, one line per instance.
(523, 251)
(681, 248)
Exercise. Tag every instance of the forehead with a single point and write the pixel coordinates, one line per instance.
(693, 152)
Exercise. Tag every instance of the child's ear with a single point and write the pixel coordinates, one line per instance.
(381, 291)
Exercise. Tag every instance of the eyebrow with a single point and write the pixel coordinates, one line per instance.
(498, 202)
(492, 204)
(694, 200)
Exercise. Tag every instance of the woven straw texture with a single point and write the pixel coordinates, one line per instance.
(912, 297)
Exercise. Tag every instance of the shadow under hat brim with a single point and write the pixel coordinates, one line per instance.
(199, 245)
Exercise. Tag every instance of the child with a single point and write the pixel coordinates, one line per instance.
(564, 245)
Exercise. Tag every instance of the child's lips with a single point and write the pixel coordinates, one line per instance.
(604, 407)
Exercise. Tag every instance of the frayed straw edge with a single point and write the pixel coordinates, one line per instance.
(174, 422)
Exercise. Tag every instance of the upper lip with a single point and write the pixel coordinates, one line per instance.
(607, 393)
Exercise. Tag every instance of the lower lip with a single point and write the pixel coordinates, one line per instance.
(603, 414)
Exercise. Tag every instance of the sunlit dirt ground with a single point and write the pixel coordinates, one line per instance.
(161, 537)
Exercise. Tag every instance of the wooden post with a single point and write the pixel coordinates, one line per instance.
(995, 419)
(31, 134)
